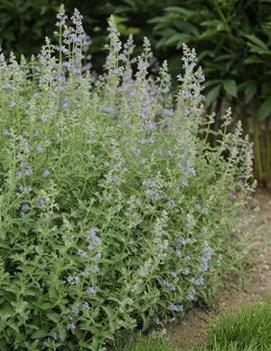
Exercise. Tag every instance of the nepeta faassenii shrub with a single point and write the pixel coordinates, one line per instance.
(115, 210)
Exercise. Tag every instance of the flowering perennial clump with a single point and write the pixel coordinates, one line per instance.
(115, 209)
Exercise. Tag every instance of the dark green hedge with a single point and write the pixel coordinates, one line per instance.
(25, 23)
(232, 37)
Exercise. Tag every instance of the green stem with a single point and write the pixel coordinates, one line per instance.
(257, 150)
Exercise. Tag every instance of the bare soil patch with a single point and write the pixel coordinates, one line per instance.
(194, 329)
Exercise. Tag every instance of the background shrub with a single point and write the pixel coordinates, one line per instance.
(234, 42)
(36, 20)
(115, 210)
(232, 37)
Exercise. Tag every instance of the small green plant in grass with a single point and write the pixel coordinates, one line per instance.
(115, 210)
(147, 344)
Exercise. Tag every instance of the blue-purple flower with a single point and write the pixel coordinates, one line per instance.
(76, 309)
(25, 208)
(6, 132)
(46, 173)
(71, 326)
(86, 306)
(91, 290)
(73, 280)
(65, 103)
(198, 281)
(41, 202)
(176, 308)
(81, 252)
(205, 258)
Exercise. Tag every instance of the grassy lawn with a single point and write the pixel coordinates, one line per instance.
(148, 344)
(246, 330)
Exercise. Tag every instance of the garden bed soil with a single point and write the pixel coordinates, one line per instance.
(193, 330)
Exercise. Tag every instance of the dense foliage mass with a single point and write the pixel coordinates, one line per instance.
(233, 38)
(115, 210)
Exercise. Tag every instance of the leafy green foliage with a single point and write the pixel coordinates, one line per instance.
(115, 210)
(233, 39)
(25, 23)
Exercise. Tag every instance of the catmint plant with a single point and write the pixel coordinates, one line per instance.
(115, 209)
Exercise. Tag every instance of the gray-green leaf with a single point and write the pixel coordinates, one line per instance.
(213, 94)
(265, 110)
(230, 87)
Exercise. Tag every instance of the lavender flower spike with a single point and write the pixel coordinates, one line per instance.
(92, 290)
(176, 308)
